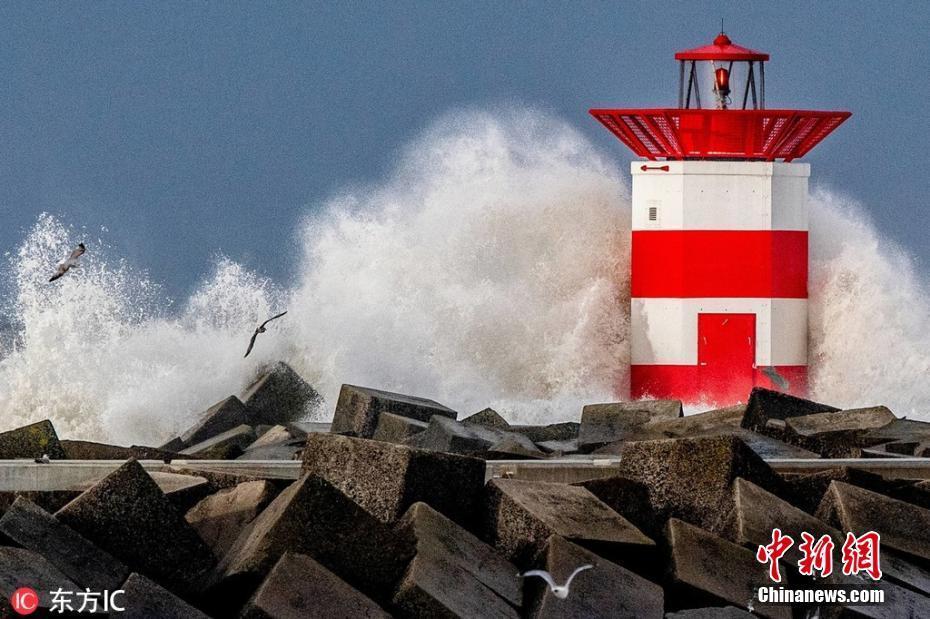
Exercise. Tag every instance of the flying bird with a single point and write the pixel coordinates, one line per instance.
(260, 329)
(65, 266)
(559, 591)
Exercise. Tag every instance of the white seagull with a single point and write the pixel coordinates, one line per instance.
(559, 591)
(71, 261)
(261, 329)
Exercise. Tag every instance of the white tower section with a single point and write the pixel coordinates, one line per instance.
(719, 278)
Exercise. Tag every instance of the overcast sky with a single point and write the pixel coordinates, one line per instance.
(193, 128)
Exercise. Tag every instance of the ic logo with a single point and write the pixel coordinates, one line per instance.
(24, 601)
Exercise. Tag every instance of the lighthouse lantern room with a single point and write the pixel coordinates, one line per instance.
(719, 243)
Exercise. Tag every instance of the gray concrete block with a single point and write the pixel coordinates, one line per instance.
(606, 591)
(222, 416)
(387, 479)
(280, 395)
(487, 418)
(20, 567)
(839, 434)
(312, 517)
(396, 428)
(127, 515)
(358, 409)
(692, 479)
(765, 404)
(221, 517)
(706, 568)
(298, 587)
(227, 445)
(903, 526)
(32, 441)
(606, 423)
(145, 599)
(445, 554)
(520, 516)
(35, 529)
(451, 436)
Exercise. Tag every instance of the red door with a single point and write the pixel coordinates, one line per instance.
(726, 356)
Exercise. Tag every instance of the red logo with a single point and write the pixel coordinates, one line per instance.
(24, 601)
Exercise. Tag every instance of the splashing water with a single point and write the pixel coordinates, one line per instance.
(868, 314)
(488, 269)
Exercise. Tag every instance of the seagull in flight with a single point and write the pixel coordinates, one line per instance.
(65, 266)
(261, 329)
(559, 591)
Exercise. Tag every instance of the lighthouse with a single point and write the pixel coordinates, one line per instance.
(719, 233)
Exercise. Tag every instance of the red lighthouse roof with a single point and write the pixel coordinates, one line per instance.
(738, 127)
(721, 49)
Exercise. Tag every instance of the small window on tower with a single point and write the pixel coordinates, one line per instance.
(653, 213)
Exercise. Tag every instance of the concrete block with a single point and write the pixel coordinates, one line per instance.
(35, 529)
(88, 450)
(521, 515)
(127, 515)
(49, 500)
(20, 567)
(175, 445)
(485, 584)
(222, 416)
(312, 517)
(698, 424)
(227, 445)
(515, 447)
(396, 428)
(708, 570)
(692, 479)
(606, 423)
(275, 435)
(282, 451)
(758, 512)
(903, 527)
(387, 479)
(280, 395)
(838, 434)
(145, 599)
(765, 404)
(450, 436)
(565, 431)
(221, 517)
(606, 591)
(627, 497)
(426, 592)
(764, 446)
(487, 418)
(182, 490)
(32, 441)
(558, 448)
(297, 587)
(358, 409)
(806, 491)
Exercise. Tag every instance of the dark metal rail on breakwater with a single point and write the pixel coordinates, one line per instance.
(23, 475)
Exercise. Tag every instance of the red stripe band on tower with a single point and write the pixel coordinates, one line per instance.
(719, 263)
(688, 383)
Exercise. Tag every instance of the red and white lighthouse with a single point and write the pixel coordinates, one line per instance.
(719, 248)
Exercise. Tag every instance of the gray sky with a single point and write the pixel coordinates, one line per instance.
(193, 128)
